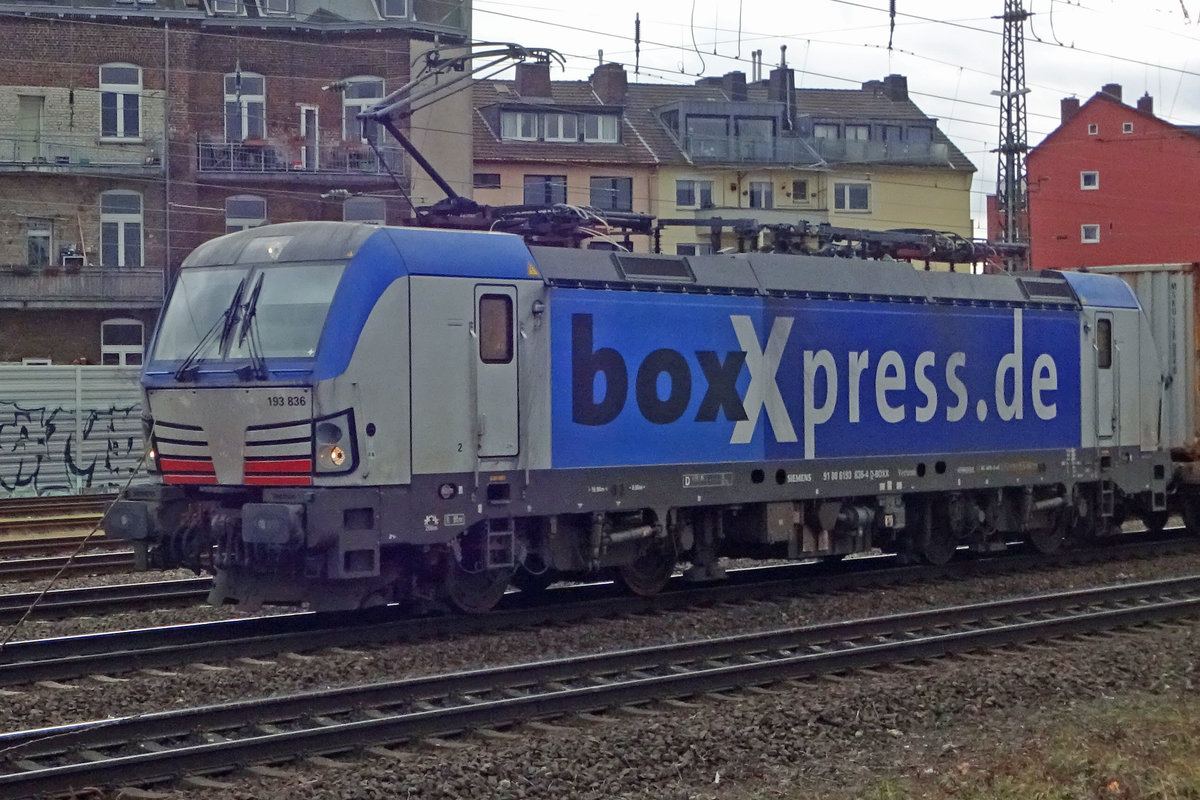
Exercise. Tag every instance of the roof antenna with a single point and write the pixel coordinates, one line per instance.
(637, 42)
(600, 56)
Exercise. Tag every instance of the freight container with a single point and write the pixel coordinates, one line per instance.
(1167, 293)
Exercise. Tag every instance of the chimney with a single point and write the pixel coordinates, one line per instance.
(609, 82)
(1146, 104)
(873, 86)
(1112, 90)
(533, 79)
(734, 84)
(896, 87)
(1069, 107)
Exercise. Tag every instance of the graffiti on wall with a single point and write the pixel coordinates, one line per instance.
(53, 450)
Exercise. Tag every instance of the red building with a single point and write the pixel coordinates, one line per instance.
(1114, 184)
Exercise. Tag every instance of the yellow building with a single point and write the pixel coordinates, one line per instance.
(722, 164)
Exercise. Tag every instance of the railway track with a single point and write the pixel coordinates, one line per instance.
(63, 658)
(24, 569)
(157, 747)
(103, 599)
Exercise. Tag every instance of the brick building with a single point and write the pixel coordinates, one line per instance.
(133, 130)
(1114, 184)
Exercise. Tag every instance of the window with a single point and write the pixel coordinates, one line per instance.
(1089, 234)
(693, 249)
(693, 194)
(227, 6)
(612, 194)
(800, 191)
(39, 241)
(826, 130)
(393, 8)
(890, 133)
(519, 125)
(1126, 127)
(600, 127)
(365, 209)
(121, 342)
(762, 194)
(120, 96)
(361, 92)
(495, 329)
(544, 190)
(276, 6)
(1093, 129)
(858, 133)
(560, 127)
(245, 106)
(1104, 343)
(487, 180)
(708, 136)
(121, 229)
(244, 211)
(756, 138)
(920, 134)
(1089, 180)
(852, 196)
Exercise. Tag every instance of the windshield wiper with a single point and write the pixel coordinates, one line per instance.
(249, 331)
(224, 323)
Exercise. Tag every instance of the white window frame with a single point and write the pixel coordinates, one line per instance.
(516, 125)
(241, 222)
(1126, 127)
(827, 130)
(841, 195)
(761, 194)
(697, 193)
(271, 7)
(123, 351)
(372, 210)
(858, 133)
(693, 249)
(126, 224)
(245, 102)
(1089, 180)
(228, 7)
(367, 130)
(558, 127)
(798, 198)
(601, 128)
(122, 92)
(1093, 129)
(1089, 233)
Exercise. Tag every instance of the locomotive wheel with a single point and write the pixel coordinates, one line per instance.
(939, 545)
(1190, 506)
(475, 592)
(1049, 541)
(648, 573)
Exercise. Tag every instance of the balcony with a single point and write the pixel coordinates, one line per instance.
(264, 156)
(75, 153)
(26, 287)
(806, 151)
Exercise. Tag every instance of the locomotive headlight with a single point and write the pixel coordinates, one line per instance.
(334, 443)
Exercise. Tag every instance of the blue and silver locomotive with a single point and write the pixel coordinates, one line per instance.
(343, 415)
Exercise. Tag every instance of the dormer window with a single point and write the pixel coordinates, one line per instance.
(227, 6)
(920, 134)
(277, 7)
(858, 133)
(393, 9)
(560, 127)
(600, 127)
(826, 130)
(521, 125)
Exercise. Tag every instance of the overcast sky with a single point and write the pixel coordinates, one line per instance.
(949, 49)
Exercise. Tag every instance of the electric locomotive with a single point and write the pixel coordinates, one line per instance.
(343, 415)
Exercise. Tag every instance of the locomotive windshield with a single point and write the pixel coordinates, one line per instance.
(230, 312)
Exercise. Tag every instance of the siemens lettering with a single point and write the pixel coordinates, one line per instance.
(831, 378)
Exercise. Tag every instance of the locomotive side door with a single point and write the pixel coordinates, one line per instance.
(1106, 395)
(495, 364)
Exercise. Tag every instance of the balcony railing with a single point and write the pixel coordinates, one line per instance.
(89, 287)
(782, 150)
(67, 152)
(270, 156)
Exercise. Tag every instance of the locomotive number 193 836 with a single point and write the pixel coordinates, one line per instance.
(288, 400)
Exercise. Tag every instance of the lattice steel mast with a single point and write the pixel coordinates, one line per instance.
(1012, 199)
